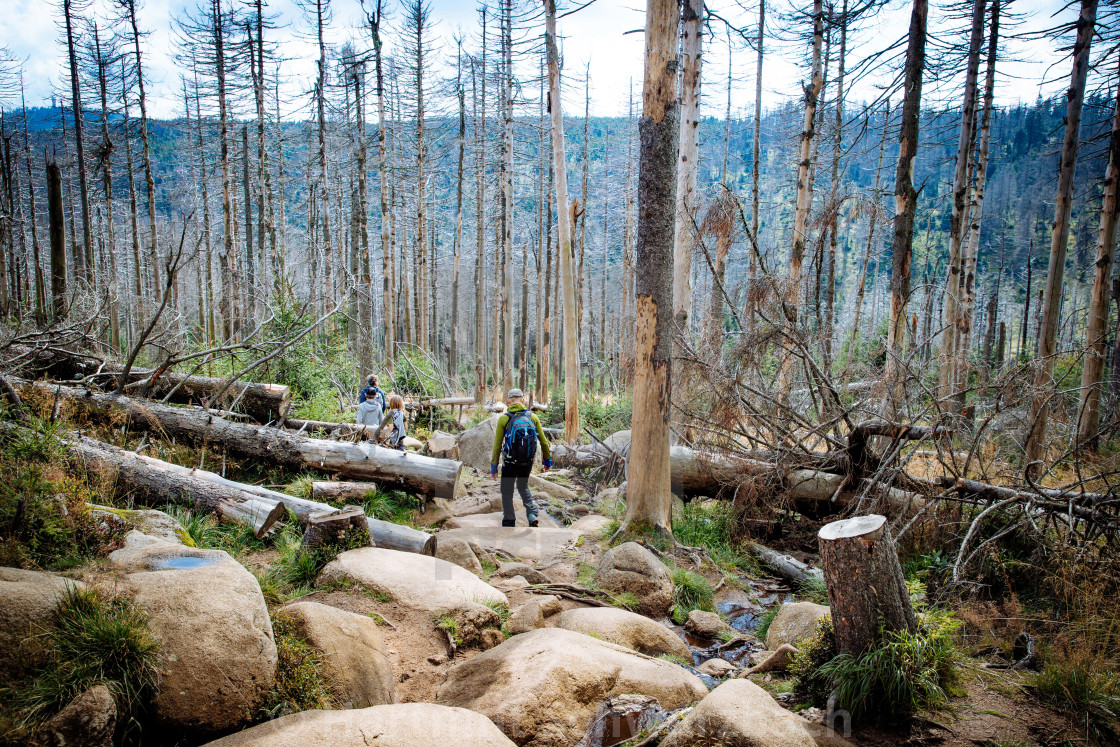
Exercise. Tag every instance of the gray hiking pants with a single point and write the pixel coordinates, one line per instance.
(516, 476)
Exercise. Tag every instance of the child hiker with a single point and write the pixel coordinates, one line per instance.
(515, 439)
(395, 415)
(371, 403)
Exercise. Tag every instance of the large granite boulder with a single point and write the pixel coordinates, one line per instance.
(542, 688)
(89, 720)
(28, 600)
(418, 581)
(631, 568)
(400, 725)
(475, 445)
(146, 521)
(627, 629)
(794, 621)
(739, 713)
(356, 667)
(208, 614)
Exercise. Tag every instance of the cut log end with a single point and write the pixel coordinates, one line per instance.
(865, 527)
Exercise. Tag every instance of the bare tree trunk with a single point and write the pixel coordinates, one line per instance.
(756, 154)
(1047, 335)
(40, 287)
(145, 149)
(1096, 333)
(85, 267)
(946, 358)
(648, 489)
(905, 196)
(480, 225)
(110, 289)
(837, 146)
(564, 215)
(966, 289)
(506, 181)
(687, 198)
(453, 362)
(388, 288)
(58, 242)
(804, 200)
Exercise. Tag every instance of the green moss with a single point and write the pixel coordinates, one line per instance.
(300, 683)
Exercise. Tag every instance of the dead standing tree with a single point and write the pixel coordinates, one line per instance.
(647, 495)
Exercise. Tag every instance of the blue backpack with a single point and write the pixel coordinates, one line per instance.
(520, 445)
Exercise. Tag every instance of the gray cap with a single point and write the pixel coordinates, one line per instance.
(514, 393)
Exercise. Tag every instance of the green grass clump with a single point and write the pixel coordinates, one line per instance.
(450, 625)
(300, 684)
(713, 527)
(396, 506)
(691, 592)
(812, 654)
(206, 531)
(96, 640)
(764, 622)
(813, 589)
(1087, 689)
(903, 673)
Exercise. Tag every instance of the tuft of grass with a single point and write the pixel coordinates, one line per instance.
(903, 673)
(96, 640)
(627, 600)
(764, 622)
(691, 592)
(813, 589)
(675, 660)
(396, 506)
(488, 568)
(300, 683)
(586, 574)
(500, 608)
(301, 486)
(449, 624)
(1080, 686)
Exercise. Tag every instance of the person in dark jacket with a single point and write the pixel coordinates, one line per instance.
(371, 403)
(515, 439)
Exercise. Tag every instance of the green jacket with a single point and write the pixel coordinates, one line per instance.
(500, 434)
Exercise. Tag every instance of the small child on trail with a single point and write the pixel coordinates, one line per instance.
(371, 403)
(395, 416)
(515, 440)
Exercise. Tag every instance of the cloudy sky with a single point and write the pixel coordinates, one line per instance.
(595, 38)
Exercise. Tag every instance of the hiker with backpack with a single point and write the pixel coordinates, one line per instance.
(394, 417)
(515, 442)
(371, 403)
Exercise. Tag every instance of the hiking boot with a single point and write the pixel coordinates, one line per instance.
(533, 520)
(509, 522)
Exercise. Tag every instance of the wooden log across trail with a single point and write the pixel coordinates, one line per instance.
(160, 481)
(423, 403)
(415, 473)
(866, 589)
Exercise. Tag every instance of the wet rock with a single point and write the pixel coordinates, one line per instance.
(777, 661)
(622, 717)
(543, 688)
(356, 667)
(627, 629)
(208, 614)
(794, 621)
(89, 720)
(706, 624)
(28, 600)
(399, 725)
(739, 713)
(417, 581)
(458, 551)
(631, 568)
(716, 668)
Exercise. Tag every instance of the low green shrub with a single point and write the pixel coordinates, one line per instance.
(903, 673)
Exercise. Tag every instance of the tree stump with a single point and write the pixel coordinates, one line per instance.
(866, 588)
(344, 528)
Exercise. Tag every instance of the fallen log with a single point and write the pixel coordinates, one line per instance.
(158, 482)
(341, 491)
(415, 473)
(231, 500)
(266, 403)
(787, 566)
(423, 403)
